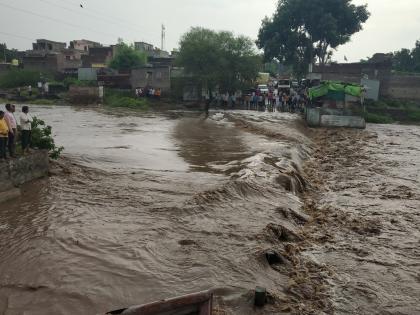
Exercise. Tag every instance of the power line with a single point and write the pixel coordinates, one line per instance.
(100, 12)
(15, 36)
(80, 12)
(53, 19)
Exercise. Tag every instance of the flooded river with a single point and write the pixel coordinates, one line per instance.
(146, 206)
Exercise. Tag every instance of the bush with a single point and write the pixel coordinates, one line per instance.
(19, 77)
(42, 138)
(378, 118)
(115, 98)
(73, 81)
(42, 101)
(414, 115)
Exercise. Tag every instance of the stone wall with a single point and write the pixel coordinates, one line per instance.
(18, 171)
(405, 87)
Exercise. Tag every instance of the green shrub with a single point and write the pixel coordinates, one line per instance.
(41, 101)
(74, 81)
(378, 118)
(116, 98)
(414, 115)
(19, 77)
(42, 138)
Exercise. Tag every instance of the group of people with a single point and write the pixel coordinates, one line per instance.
(148, 92)
(273, 100)
(43, 89)
(9, 131)
(277, 101)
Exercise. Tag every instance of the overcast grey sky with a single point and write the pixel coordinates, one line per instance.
(393, 24)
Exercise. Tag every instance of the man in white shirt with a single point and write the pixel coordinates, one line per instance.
(12, 125)
(26, 127)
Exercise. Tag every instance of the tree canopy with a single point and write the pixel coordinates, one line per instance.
(301, 31)
(127, 58)
(219, 59)
(407, 60)
(10, 54)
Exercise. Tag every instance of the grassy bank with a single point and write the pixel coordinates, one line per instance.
(389, 111)
(126, 99)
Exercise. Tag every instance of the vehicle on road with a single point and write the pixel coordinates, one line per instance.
(263, 88)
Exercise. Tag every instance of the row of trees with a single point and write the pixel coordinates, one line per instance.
(406, 60)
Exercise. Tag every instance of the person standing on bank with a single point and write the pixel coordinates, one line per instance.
(26, 126)
(12, 125)
(4, 132)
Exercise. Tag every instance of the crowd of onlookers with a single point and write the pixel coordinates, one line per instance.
(148, 92)
(271, 100)
(276, 100)
(9, 132)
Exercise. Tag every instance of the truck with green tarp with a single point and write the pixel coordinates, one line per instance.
(336, 104)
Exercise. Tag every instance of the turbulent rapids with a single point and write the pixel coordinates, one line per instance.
(149, 206)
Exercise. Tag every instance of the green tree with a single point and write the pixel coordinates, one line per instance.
(42, 138)
(219, 59)
(19, 77)
(415, 53)
(403, 60)
(127, 58)
(8, 55)
(301, 31)
(407, 60)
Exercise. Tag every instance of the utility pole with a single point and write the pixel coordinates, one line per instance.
(4, 52)
(162, 46)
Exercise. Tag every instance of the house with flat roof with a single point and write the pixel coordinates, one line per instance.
(45, 45)
(84, 45)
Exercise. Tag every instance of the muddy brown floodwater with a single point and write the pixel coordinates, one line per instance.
(155, 205)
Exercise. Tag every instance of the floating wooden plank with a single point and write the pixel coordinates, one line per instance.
(194, 304)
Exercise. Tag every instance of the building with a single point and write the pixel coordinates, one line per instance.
(44, 45)
(71, 62)
(84, 45)
(98, 57)
(144, 47)
(155, 77)
(150, 50)
(46, 63)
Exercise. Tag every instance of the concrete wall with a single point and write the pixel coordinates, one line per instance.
(402, 87)
(319, 117)
(16, 172)
(48, 63)
(87, 74)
